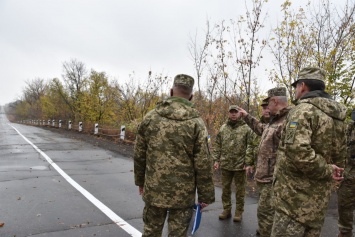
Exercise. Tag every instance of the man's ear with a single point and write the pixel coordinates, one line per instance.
(303, 87)
(191, 97)
(171, 92)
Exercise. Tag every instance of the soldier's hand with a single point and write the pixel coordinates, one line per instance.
(216, 165)
(249, 169)
(242, 112)
(337, 173)
(203, 205)
(141, 190)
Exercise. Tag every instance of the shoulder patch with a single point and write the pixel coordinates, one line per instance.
(290, 132)
(293, 124)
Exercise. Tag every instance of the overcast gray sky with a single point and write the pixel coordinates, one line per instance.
(115, 36)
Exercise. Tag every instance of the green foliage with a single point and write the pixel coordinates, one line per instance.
(322, 37)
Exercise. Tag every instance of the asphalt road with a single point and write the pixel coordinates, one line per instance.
(61, 187)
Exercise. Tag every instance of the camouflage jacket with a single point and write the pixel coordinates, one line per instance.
(263, 120)
(171, 156)
(270, 137)
(303, 173)
(350, 162)
(233, 145)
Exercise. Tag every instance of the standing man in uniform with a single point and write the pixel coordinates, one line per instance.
(172, 162)
(270, 136)
(346, 192)
(234, 144)
(265, 119)
(305, 167)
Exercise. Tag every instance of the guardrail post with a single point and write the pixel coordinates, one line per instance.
(123, 132)
(80, 126)
(60, 123)
(96, 129)
(53, 123)
(69, 125)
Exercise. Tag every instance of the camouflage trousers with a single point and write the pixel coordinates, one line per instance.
(154, 219)
(285, 226)
(346, 201)
(265, 210)
(239, 178)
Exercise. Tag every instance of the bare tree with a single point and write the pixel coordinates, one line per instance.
(75, 78)
(199, 54)
(238, 52)
(32, 93)
(248, 45)
(34, 90)
(290, 45)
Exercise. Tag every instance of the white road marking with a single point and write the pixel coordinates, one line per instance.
(107, 211)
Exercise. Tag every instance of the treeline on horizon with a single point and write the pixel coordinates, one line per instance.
(227, 58)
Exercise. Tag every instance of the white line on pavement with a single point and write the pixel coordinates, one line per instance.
(113, 216)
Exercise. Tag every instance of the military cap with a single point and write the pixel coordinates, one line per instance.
(264, 102)
(235, 107)
(184, 80)
(277, 91)
(310, 73)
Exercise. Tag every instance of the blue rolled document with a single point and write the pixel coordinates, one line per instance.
(198, 216)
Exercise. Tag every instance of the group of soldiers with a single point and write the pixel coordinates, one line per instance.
(301, 150)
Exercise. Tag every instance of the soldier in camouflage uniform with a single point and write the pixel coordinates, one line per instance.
(346, 192)
(305, 169)
(233, 145)
(270, 136)
(265, 119)
(172, 162)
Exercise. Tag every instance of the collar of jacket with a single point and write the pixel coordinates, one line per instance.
(234, 124)
(180, 100)
(313, 94)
